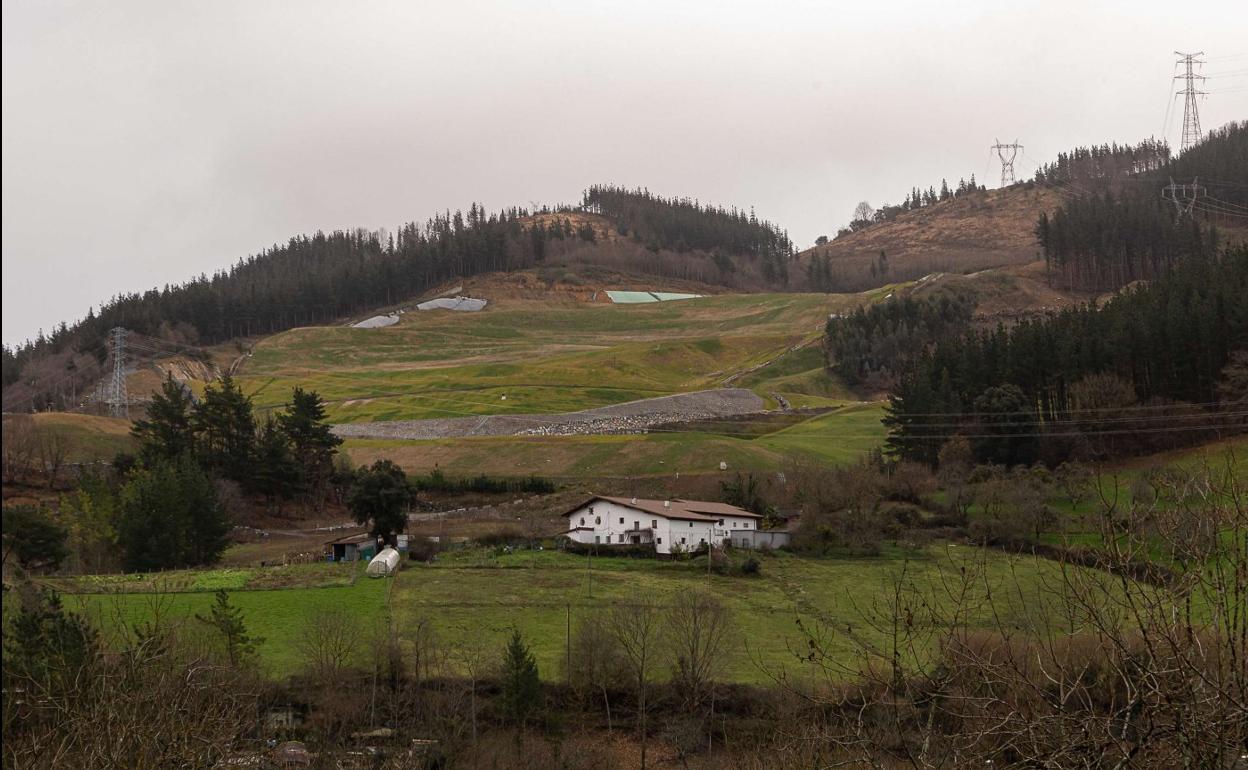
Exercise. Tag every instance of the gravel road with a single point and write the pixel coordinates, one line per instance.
(629, 417)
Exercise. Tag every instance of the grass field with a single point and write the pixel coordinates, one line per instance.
(87, 437)
(837, 437)
(481, 595)
(552, 357)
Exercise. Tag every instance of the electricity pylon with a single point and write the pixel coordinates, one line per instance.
(1007, 163)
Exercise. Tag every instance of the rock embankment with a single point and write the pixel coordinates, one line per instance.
(629, 417)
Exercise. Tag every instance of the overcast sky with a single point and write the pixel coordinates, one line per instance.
(147, 142)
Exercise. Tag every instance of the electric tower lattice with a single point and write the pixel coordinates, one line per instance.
(1007, 162)
(118, 398)
(1191, 113)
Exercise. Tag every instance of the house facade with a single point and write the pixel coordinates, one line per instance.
(670, 525)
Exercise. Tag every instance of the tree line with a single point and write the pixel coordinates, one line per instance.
(1117, 225)
(684, 225)
(875, 345)
(917, 198)
(1156, 366)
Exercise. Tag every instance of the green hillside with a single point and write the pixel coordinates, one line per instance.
(550, 358)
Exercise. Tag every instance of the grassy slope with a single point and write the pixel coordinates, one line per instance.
(545, 357)
(836, 437)
(88, 437)
(483, 596)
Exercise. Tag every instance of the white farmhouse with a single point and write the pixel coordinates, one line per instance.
(684, 525)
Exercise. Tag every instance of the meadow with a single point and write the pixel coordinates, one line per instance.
(837, 437)
(553, 356)
(478, 596)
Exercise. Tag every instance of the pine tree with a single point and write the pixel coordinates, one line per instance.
(276, 474)
(166, 433)
(227, 619)
(521, 693)
(312, 442)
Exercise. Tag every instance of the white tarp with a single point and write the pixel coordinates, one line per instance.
(384, 563)
(376, 322)
(466, 304)
(636, 297)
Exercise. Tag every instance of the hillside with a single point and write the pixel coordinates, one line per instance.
(961, 235)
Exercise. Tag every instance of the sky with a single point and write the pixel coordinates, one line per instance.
(145, 143)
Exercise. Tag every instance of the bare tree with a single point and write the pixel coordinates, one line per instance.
(53, 447)
(863, 212)
(697, 632)
(20, 445)
(328, 642)
(595, 665)
(637, 629)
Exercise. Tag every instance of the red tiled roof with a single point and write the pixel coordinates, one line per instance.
(688, 510)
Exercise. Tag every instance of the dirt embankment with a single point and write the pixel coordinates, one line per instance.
(617, 418)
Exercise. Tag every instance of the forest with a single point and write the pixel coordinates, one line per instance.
(1158, 366)
(683, 224)
(873, 346)
(1119, 223)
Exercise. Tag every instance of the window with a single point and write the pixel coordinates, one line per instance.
(654, 524)
(721, 522)
(636, 524)
(598, 520)
(747, 525)
(621, 519)
(582, 521)
(591, 510)
(701, 541)
(682, 540)
(658, 540)
(621, 538)
(691, 525)
(597, 539)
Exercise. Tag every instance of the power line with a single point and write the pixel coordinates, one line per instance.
(1007, 164)
(118, 398)
(1191, 113)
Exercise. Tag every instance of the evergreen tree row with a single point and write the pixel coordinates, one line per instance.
(1042, 390)
(291, 452)
(877, 344)
(684, 224)
(1107, 162)
(1119, 224)
(917, 198)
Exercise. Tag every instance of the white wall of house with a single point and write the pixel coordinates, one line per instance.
(606, 522)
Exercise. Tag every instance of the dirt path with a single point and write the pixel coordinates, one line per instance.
(617, 418)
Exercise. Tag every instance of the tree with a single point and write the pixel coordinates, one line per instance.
(228, 621)
(697, 634)
(863, 212)
(521, 692)
(276, 474)
(170, 517)
(47, 649)
(328, 641)
(166, 432)
(34, 538)
(379, 497)
(1006, 427)
(311, 440)
(637, 629)
(225, 430)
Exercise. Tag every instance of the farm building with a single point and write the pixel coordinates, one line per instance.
(351, 547)
(670, 525)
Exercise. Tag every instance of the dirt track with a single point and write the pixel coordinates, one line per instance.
(632, 416)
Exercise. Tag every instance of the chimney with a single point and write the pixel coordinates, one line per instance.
(667, 503)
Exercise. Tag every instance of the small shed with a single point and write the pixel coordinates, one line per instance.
(351, 547)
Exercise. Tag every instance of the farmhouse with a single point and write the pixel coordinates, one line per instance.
(670, 525)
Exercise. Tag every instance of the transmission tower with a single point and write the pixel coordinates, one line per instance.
(118, 398)
(1007, 163)
(1191, 115)
(1183, 196)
